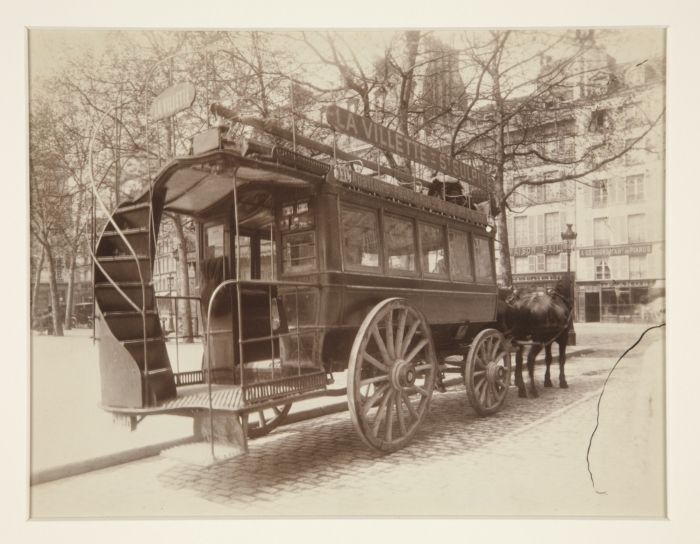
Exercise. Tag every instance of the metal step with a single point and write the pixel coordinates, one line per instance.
(132, 215)
(109, 299)
(128, 325)
(112, 244)
(157, 352)
(123, 268)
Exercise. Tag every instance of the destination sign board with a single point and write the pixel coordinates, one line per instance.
(612, 251)
(172, 100)
(379, 136)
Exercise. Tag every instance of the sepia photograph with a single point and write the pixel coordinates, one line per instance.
(332, 273)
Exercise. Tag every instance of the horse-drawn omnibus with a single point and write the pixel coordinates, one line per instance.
(307, 270)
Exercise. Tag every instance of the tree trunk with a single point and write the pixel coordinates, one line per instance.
(185, 309)
(37, 283)
(69, 294)
(504, 248)
(53, 291)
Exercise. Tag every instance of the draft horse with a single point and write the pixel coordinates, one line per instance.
(539, 320)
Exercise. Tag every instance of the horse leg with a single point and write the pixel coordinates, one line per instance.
(532, 354)
(519, 372)
(548, 361)
(562, 360)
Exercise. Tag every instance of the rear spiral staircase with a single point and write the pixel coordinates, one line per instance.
(134, 364)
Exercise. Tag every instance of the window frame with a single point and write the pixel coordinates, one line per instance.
(388, 270)
(470, 253)
(446, 252)
(477, 279)
(380, 268)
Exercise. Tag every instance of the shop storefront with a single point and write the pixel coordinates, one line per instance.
(617, 301)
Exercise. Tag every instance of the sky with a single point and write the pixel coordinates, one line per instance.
(49, 49)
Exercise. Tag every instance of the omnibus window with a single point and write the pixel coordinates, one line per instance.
(432, 239)
(360, 239)
(460, 261)
(482, 258)
(299, 252)
(400, 244)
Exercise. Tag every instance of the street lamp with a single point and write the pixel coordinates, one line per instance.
(569, 239)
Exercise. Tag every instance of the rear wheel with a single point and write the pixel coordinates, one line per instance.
(391, 375)
(266, 420)
(487, 372)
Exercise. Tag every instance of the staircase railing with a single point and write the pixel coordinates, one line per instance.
(110, 219)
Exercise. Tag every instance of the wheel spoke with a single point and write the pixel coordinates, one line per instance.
(390, 416)
(479, 373)
(380, 344)
(407, 402)
(400, 329)
(375, 379)
(380, 413)
(422, 391)
(399, 415)
(421, 368)
(416, 350)
(367, 357)
(263, 421)
(390, 335)
(371, 401)
(408, 338)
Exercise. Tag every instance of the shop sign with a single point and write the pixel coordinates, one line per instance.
(172, 100)
(367, 130)
(547, 277)
(615, 250)
(630, 283)
(547, 249)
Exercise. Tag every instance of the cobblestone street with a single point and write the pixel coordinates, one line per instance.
(528, 459)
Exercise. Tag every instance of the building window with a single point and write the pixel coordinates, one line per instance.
(551, 228)
(632, 155)
(552, 191)
(521, 231)
(553, 263)
(563, 261)
(600, 194)
(535, 194)
(432, 239)
(400, 244)
(635, 188)
(360, 239)
(460, 261)
(522, 265)
(638, 266)
(635, 228)
(601, 232)
(602, 269)
(482, 259)
(540, 263)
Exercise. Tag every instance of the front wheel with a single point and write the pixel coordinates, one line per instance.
(487, 372)
(391, 375)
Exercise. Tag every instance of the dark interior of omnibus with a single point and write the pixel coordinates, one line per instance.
(264, 217)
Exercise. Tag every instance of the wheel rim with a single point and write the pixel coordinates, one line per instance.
(391, 375)
(487, 373)
(263, 421)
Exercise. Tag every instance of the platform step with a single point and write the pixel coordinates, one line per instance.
(199, 453)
